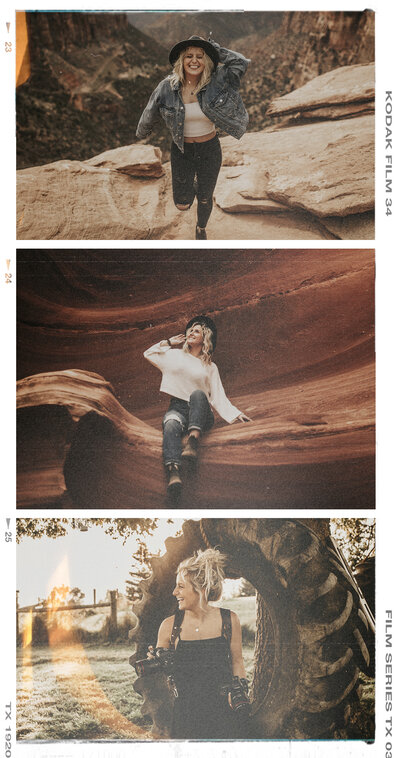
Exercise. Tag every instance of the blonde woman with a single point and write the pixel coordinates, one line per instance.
(208, 672)
(193, 381)
(201, 95)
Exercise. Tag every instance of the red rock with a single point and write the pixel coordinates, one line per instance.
(295, 352)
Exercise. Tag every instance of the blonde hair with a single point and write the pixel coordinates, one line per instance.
(207, 346)
(205, 571)
(178, 74)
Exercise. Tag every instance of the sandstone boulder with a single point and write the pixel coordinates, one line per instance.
(76, 200)
(325, 168)
(279, 183)
(73, 200)
(244, 190)
(134, 160)
(347, 84)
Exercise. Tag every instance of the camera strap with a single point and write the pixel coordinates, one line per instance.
(226, 624)
(176, 629)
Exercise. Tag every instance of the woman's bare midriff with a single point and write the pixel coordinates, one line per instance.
(202, 138)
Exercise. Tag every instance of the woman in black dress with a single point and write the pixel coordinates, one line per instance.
(208, 670)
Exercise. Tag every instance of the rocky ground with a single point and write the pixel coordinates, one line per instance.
(309, 177)
(92, 73)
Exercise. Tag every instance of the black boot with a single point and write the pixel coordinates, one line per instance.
(174, 480)
(200, 233)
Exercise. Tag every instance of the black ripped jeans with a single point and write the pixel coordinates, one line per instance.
(203, 161)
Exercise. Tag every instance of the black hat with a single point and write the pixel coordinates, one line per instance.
(194, 41)
(204, 321)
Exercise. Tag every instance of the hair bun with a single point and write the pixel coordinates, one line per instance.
(205, 570)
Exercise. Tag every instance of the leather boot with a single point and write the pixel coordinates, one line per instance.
(174, 480)
(191, 448)
(200, 233)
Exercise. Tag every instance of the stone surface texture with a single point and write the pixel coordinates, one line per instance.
(134, 160)
(323, 169)
(347, 84)
(295, 352)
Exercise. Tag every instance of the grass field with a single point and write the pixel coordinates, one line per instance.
(77, 692)
(84, 692)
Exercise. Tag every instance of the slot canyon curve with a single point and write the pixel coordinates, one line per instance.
(295, 352)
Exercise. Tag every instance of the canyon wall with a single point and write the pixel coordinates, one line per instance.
(295, 352)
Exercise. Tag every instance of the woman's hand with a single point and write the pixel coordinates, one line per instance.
(243, 417)
(151, 653)
(177, 340)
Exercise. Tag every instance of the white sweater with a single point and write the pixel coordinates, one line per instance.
(182, 373)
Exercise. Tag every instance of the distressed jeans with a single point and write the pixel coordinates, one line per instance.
(183, 416)
(203, 161)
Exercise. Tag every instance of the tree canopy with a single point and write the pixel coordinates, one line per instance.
(355, 536)
(36, 528)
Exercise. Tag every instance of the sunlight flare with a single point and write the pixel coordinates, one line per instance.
(71, 665)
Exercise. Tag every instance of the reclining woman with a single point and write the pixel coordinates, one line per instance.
(208, 671)
(193, 381)
(200, 95)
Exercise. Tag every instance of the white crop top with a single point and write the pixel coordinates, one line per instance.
(182, 373)
(196, 123)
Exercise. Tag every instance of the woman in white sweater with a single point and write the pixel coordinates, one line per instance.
(193, 381)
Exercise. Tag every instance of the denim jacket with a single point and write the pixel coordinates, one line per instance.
(219, 100)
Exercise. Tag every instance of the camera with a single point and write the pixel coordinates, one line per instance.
(239, 695)
(163, 661)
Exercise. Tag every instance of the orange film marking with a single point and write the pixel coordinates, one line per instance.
(22, 62)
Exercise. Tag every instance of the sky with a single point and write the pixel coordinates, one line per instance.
(88, 560)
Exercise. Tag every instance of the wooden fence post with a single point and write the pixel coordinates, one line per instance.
(113, 614)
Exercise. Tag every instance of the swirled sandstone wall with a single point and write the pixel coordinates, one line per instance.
(295, 352)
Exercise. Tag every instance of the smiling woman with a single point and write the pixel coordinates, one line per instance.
(207, 672)
(200, 95)
(193, 382)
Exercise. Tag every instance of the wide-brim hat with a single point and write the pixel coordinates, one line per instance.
(194, 41)
(204, 321)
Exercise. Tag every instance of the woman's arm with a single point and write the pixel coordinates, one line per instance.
(238, 668)
(219, 400)
(163, 638)
(164, 632)
(234, 63)
(158, 354)
(149, 114)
